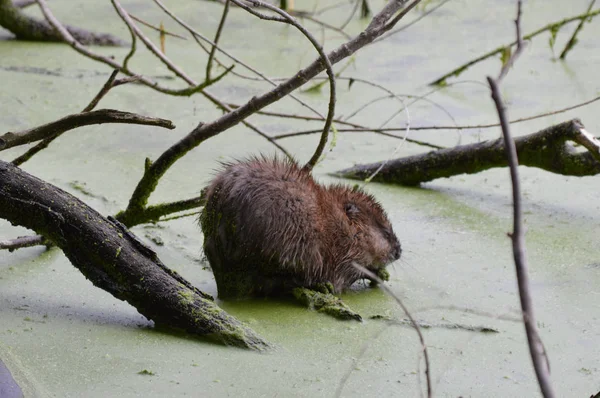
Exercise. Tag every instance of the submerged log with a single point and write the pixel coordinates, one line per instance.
(548, 149)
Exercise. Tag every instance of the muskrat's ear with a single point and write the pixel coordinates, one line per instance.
(351, 209)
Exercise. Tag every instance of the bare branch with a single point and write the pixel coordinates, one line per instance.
(408, 25)
(21, 242)
(573, 40)
(67, 37)
(412, 321)
(520, 47)
(216, 41)
(153, 49)
(555, 25)
(286, 18)
(10, 139)
(536, 348)
(103, 91)
(161, 31)
(197, 35)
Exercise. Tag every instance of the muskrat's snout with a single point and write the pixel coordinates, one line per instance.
(396, 251)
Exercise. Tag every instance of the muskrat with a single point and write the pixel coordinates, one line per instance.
(269, 227)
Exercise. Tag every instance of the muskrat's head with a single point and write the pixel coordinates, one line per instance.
(373, 243)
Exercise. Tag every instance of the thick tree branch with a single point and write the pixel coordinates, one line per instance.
(113, 259)
(547, 149)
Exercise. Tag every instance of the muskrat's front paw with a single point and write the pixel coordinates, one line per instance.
(382, 274)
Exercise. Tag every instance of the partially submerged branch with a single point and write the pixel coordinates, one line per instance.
(113, 259)
(25, 27)
(548, 149)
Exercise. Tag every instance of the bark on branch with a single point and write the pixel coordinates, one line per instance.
(113, 259)
(547, 149)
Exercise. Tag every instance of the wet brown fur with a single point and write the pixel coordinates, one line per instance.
(269, 227)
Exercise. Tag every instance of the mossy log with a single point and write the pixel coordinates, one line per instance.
(547, 149)
(113, 259)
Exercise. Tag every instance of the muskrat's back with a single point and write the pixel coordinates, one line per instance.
(269, 227)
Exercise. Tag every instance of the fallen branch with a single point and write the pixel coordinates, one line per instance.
(547, 149)
(113, 259)
(25, 27)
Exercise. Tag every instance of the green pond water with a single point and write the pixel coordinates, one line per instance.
(62, 337)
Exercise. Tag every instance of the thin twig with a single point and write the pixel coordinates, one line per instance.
(103, 91)
(161, 31)
(182, 92)
(324, 25)
(364, 130)
(573, 40)
(413, 322)
(411, 23)
(216, 41)
(358, 129)
(347, 21)
(361, 353)
(286, 18)
(520, 47)
(197, 35)
(21, 242)
(501, 49)
(110, 83)
(153, 49)
(536, 349)
(67, 37)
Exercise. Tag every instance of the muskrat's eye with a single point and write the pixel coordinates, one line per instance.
(351, 209)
